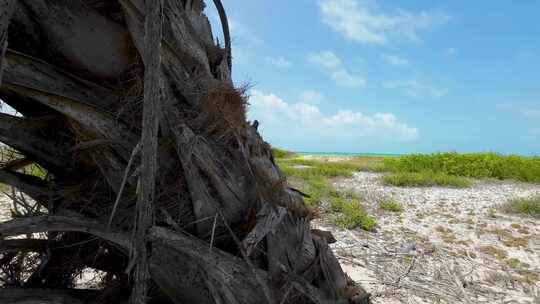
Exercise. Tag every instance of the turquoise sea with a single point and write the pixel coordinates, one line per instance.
(347, 154)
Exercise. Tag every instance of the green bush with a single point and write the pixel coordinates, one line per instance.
(479, 165)
(352, 215)
(425, 179)
(280, 153)
(390, 205)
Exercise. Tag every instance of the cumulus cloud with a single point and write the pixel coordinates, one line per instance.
(335, 68)
(279, 62)
(311, 96)
(308, 121)
(361, 21)
(395, 60)
(532, 113)
(415, 88)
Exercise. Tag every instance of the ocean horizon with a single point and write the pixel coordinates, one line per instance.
(347, 154)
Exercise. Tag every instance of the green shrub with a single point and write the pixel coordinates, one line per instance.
(478, 165)
(425, 179)
(390, 205)
(352, 215)
(529, 206)
(280, 153)
(309, 167)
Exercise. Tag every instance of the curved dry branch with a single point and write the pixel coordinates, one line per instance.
(97, 120)
(20, 245)
(46, 296)
(63, 224)
(33, 73)
(229, 278)
(21, 134)
(226, 32)
(32, 186)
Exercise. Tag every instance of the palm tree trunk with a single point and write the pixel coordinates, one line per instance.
(199, 214)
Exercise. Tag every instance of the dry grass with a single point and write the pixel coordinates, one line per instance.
(527, 206)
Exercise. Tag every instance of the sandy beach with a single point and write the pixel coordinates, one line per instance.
(449, 245)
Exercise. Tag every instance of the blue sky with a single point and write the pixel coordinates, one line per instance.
(388, 76)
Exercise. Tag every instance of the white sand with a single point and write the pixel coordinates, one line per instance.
(436, 249)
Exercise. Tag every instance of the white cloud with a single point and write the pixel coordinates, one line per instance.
(334, 67)
(395, 60)
(304, 120)
(310, 96)
(280, 62)
(415, 88)
(532, 113)
(361, 21)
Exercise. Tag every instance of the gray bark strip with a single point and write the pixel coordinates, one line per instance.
(62, 223)
(180, 258)
(18, 245)
(269, 219)
(226, 32)
(22, 134)
(89, 43)
(149, 141)
(46, 296)
(33, 73)
(6, 11)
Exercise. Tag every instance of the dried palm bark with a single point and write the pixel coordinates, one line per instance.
(153, 175)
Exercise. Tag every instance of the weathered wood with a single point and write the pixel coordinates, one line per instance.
(46, 296)
(23, 135)
(268, 221)
(22, 245)
(63, 223)
(88, 43)
(100, 121)
(149, 140)
(33, 73)
(191, 260)
(32, 186)
(226, 32)
(6, 11)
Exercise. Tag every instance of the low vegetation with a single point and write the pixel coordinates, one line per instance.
(425, 179)
(351, 214)
(280, 153)
(390, 205)
(478, 165)
(311, 177)
(528, 206)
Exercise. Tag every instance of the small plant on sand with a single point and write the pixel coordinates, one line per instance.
(390, 205)
(425, 179)
(528, 206)
(498, 253)
(351, 214)
(492, 213)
